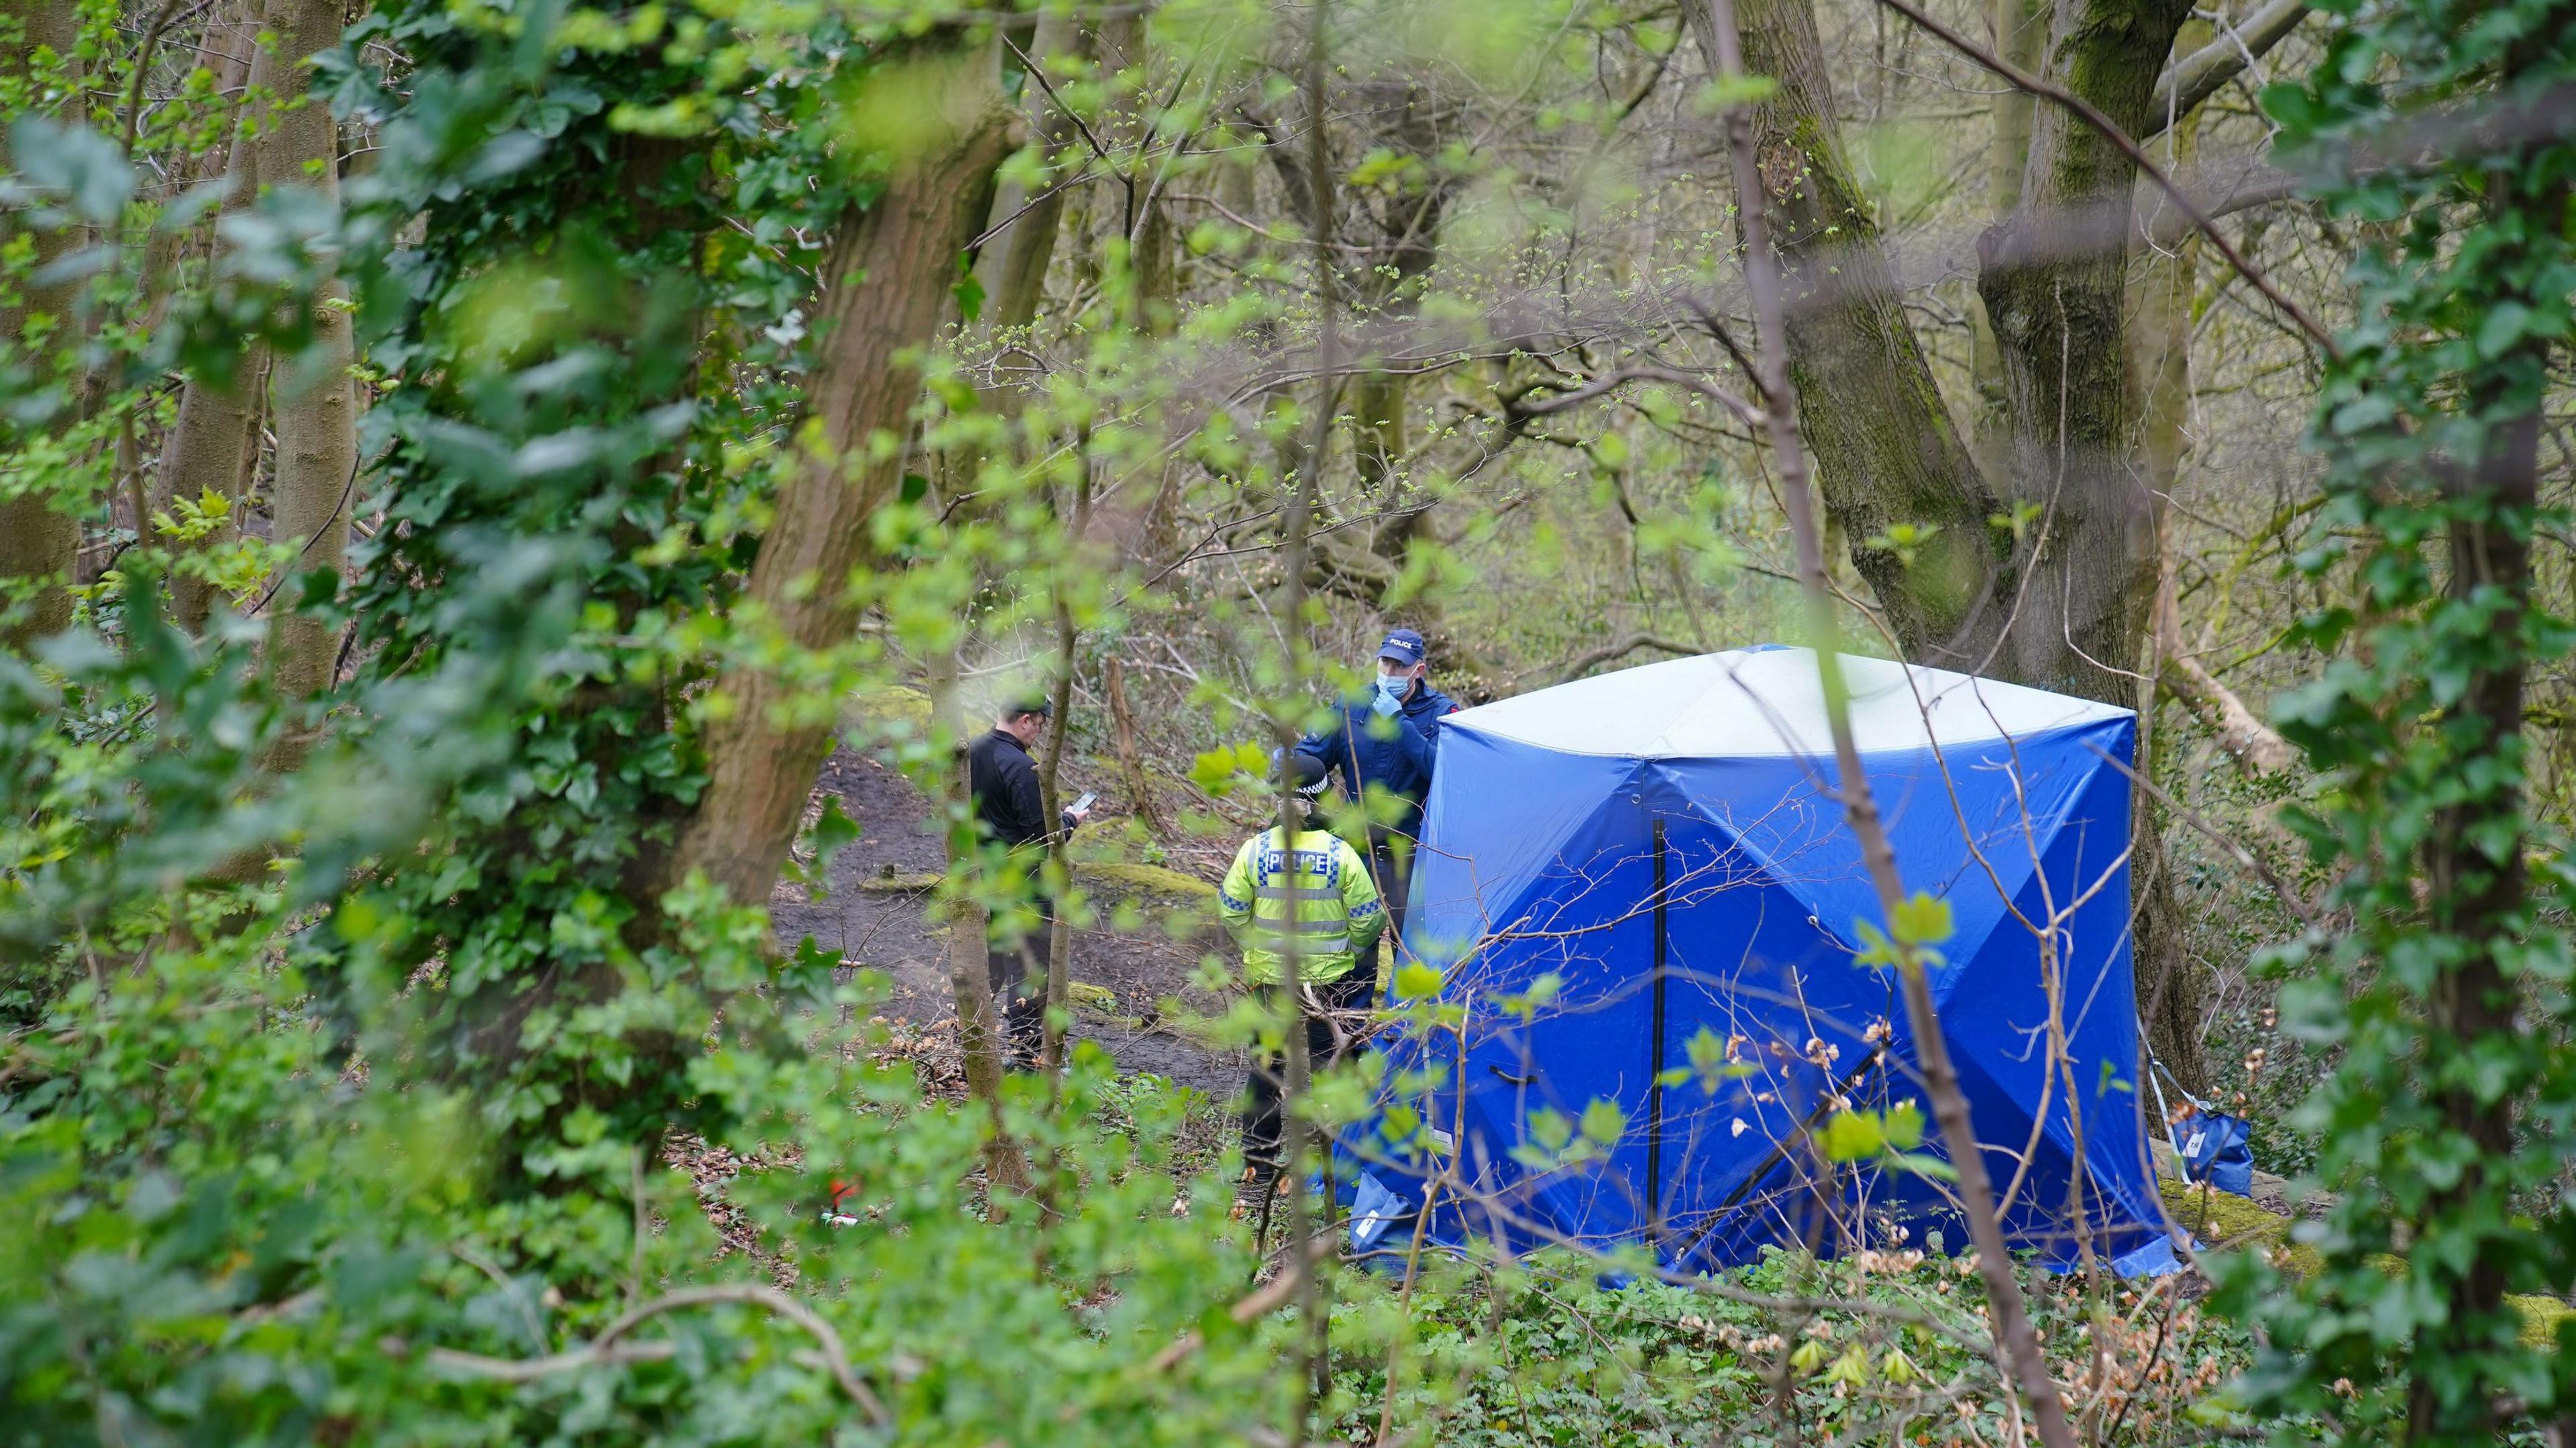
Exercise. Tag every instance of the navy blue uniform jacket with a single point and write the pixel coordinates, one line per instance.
(1004, 782)
(1400, 764)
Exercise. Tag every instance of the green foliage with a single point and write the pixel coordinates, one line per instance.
(1220, 772)
(1545, 1352)
(553, 457)
(346, 1104)
(1712, 1062)
(1905, 540)
(1920, 922)
(230, 1242)
(321, 1158)
(1857, 1135)
(2443, 1122)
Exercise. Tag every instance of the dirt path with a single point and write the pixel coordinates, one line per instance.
(869, 921)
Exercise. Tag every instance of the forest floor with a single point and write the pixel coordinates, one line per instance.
(872, 915)
(1137, 991)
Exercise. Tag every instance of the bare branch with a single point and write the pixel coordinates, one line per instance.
(2015, 1336)
(2085, 111)
(2197, 76)
(529, 1370)
(2253, 743)
(1744, 411)
(2260, 186)
(1261, 1301)
(1037, 73)
(605, 1350)
(1585, 663)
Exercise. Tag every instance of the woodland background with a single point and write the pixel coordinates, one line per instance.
(506, 508)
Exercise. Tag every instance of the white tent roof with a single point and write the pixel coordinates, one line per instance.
(1768, 702)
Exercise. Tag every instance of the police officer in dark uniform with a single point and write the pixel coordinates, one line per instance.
(1011, 807)
(1389, 737)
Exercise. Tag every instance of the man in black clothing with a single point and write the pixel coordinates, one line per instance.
(1012, 809)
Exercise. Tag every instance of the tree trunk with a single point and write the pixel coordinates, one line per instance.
(1143, 224)
(1886, 451)
(2062, 599)
(212, 450)
(204, 462)
(39, 542)
(2475, 864)
(1012, 266)
(2053, 276)
(1156, 310)
(1131, 765)
(1059, 860)
(2021, 36)
(2172, 986)
(313, 396)
(886, 286)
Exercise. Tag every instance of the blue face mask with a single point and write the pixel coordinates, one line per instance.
(1392, 687)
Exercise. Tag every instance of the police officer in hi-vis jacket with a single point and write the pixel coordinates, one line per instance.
(1315, 890)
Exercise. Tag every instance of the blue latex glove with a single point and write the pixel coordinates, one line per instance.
(1388, 700)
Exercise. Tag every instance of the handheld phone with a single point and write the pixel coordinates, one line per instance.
(1084, 803)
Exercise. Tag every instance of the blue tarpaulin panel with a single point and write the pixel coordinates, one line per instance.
(1660, 852)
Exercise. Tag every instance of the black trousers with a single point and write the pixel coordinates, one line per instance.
(1017, 967)
(1392, 869)
(1327, 1041)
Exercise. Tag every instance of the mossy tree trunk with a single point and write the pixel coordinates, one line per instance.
(2020, 29)
(39, 539)
(887, 289)
(2172, 986)
(1887, 452)
(1012, 265)
(2039, 567)
(2054, 279)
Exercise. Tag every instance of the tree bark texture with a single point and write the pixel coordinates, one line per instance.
(2172, 986)
(886, 286)
(1886, 449)
(213, 448)
(2021, 36)
(2064, 601)
(2056, 299)
(1012, 266)
(313, 396)
(39, 542)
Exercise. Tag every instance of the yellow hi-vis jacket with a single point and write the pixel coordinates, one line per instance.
(1319, 890)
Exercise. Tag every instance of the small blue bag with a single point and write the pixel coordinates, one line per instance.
(1374, 1209)
(2216, 1150)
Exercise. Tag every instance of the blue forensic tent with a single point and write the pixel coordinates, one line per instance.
(1662, 843)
